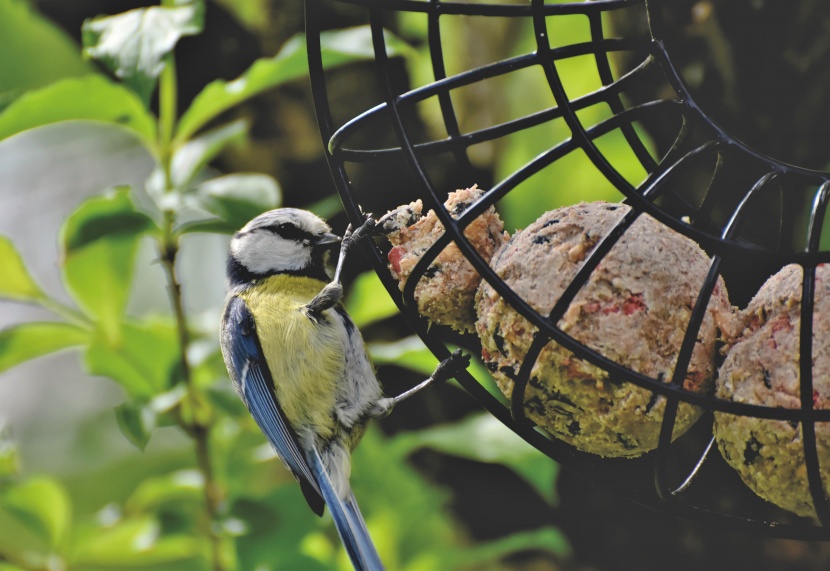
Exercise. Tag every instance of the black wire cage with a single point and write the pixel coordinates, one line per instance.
(751, 213)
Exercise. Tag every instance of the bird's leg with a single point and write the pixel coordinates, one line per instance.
(445, 370)
(330, 295)
(350, 239)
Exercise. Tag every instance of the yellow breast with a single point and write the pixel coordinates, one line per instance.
(306, 358)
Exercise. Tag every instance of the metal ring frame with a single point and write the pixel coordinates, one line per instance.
(715, 222)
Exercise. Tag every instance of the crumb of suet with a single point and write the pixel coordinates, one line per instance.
(634, 310)
(762, 367)
(445, 294)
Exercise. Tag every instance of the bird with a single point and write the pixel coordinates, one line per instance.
(300, 364)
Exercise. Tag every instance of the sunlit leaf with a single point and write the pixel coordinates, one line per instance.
(42, 52)
(136, 422)
(368, 301)
(483, 438)
(234, 199)
(256, 15)
(344, 46)
(548, 539)
(9, 456)
(134, 44)
(99, 278)
(100, 240)
(110, 215)
(27, 341)
(409, 352)
(15, 281)
(89, 98)
(192, 157)
(42, 505)
(135, 542)
(145, 361)
(326, 207)
(339, 47)
(182, 485)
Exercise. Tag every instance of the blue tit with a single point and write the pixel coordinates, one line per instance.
(299, 363)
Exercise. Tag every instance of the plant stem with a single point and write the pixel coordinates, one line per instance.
(191, 422)
(168, 110)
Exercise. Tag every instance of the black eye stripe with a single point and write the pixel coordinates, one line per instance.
(289, 232)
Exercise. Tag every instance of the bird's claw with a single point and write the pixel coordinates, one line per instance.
(351, 237)
(449, 367)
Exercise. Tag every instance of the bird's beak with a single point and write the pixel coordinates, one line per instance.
(327, 238)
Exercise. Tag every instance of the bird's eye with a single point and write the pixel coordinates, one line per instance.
(289, 231)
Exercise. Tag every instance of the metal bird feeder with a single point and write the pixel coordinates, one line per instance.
(750, 212)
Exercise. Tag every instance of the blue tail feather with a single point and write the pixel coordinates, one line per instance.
(348, 520)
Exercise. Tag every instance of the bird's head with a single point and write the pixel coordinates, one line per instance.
(285, 240)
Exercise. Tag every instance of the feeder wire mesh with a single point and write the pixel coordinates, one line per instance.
(742, 190)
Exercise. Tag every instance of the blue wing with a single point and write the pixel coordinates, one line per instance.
(251, 373)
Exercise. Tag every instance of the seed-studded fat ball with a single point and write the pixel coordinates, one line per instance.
(762, 367)
(634, 310)
(446, 292)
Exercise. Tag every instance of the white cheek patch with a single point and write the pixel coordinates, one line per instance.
(263, 252)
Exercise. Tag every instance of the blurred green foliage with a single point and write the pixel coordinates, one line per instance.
(221, 502)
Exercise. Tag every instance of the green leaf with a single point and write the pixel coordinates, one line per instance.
(136, 422)
(234, 199)
(21, 343)
(15, 281)
(134, 44)
(9, 567)
(256, 15)
(99, 241)
(135, 542)
(548, 539)
(99, 277)
(191, 158)
(221, 95)
(144, 360)
(42, 505)
(110, 215)
(339, 47)
(89, 98)
(187, 485)
(9, 457)
(409, 352)
(483, 438)
(368, 301)
(38, 52)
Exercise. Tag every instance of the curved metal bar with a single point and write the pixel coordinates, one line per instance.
(679, 87)
(681, 368)
(808, 429)
(493, 132)
(695, 470)
(497, 69)
(503, 10)
(643, 201)
(439, 72)
(607, 78)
